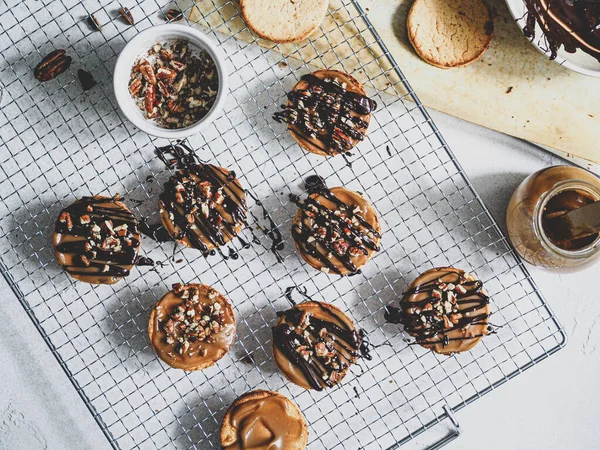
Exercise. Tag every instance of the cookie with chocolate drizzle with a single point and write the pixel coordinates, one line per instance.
(315, 343)
(264, 420)
(445, 309)
(335, 230)
(97, 240)
(328, 112)
(203, 206)
(192, 327)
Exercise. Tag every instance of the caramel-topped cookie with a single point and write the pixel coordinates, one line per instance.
(97, 239)
(315, 343)
(328, 112)
(264, 420)
(335, 230)
(203, 206)
(192, 327)
(446, 310)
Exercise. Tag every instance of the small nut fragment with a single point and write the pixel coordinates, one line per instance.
(455, 318)
(173, 15)
(461, 289)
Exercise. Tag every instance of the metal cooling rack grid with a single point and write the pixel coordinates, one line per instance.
(59, 143)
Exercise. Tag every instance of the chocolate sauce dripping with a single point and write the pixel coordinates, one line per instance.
(581, 19)
(316, 185)
(325, 114)
(178, 155)
(156, 232)
(144, 261)
(289, 291)
(273, 233)
(413, 324)
(98, 215)
(349, 340)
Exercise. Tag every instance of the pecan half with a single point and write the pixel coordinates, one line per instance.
(148, 73)
(135, 87)
(52, 65)
(126, 15)
(92, 20)
(150, 98)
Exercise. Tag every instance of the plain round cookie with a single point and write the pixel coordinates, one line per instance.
(450, 33)
(283, 21)
(229, 433)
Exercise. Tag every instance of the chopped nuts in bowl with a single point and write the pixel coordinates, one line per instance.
(170, 81)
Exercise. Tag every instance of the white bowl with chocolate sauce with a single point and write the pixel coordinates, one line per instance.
(579, 61)
(153, 120)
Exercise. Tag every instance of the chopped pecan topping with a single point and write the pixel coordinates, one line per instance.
(192, 322)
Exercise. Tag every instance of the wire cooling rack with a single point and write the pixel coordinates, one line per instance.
(58, 143)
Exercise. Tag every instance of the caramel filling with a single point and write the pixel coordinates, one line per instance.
(265, 424)
(192, 326)
(558, 205)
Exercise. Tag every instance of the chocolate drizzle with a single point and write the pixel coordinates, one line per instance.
(98, 238)
(205, 205)
(332, 235)
(319, 341)
(574, 24)
(326, 115)
(434, 310)
(272, 232)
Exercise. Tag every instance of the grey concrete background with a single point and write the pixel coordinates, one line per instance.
(553, 406)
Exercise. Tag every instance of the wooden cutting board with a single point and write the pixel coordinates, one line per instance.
(513, 88)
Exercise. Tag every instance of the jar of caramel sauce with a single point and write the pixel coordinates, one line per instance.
(542, 196)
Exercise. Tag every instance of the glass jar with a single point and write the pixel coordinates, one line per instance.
(525, 216)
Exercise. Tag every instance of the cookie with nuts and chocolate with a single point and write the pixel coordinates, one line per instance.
(264, 420)
(335, 230)
(328, 112)
(203, 206)
(97, 240)
(192, 327)
(446, 310)
(315, 343)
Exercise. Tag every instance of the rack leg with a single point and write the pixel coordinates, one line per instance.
(452, 435)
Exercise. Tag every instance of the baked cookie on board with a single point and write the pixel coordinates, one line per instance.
(450, 33)
(283, 21)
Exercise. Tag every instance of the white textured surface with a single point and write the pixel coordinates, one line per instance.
(554, 405)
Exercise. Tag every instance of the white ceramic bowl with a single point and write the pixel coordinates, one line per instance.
(137, 47)
(579, 61)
